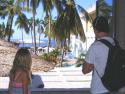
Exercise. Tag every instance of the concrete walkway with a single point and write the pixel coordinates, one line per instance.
(65, 78)
(58, 78)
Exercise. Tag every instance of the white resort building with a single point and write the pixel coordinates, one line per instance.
(77, 46)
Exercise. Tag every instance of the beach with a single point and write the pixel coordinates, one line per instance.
(7, 54)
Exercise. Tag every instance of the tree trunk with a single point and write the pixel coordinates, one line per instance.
(86, 32)
(9, 26)
(62, 57)
(49, 39)
(34, 34)
(22, 38)
(39, 38)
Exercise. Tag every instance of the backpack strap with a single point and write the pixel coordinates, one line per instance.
(106, 42)
(97, 73)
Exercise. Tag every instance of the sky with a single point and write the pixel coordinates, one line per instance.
(84, 3)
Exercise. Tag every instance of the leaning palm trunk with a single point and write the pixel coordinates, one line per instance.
(62, 57)
(49, 39)
(86, 32)
(10, 26)
(34, 34)
(39, 39)
(22, 38)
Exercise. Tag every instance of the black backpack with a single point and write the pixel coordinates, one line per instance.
(114, 75)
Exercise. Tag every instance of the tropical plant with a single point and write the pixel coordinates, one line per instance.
(80, 60)
(34, 6)
(51, 56)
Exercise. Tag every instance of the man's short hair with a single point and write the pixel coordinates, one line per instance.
(101, 24)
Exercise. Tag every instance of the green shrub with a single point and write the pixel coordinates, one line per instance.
(52, 56)
(80, 60)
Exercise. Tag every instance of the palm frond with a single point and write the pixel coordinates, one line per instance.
(104, 8)
(87, 16)
(59, 5)
(47, 5)
(22, 23)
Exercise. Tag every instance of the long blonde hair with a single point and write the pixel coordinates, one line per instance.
(23, 61)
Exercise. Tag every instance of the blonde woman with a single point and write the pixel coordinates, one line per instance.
(20, 74)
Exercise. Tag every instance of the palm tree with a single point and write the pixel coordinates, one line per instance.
(69, 23)
(48, 28)
(87, 16)
(7, 7)
(40, 28)
(68, 20)
(34, 6)
(22, 23)
(58, 36)
(47, 33)
(4, 4)
(10, 8)
(47, 7)
(66, 6)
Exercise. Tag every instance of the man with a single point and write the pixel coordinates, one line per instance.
(96, 57)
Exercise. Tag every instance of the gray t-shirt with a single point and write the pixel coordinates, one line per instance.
(97, 55)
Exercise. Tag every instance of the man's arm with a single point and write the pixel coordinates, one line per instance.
(87, 68)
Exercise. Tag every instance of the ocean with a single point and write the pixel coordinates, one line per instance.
(28, 44)
(44, 43)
